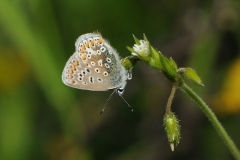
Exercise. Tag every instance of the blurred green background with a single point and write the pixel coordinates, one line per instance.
(41, 118)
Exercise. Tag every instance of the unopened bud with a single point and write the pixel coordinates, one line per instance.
(172, 129)
(191, 75)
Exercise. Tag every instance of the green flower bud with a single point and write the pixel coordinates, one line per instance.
(191, 75)
(173, 64)
(144, 51)
(169, 68)
(172, 129)
(141, 49)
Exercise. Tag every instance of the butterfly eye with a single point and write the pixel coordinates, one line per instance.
(120, 91)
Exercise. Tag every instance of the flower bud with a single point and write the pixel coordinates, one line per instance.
(141, 49)
(172, 129)
(169, 68)
(191, 75)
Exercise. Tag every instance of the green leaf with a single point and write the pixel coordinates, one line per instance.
(145, 38)
(192, 75)
(173, 63)
(130, 49)
(136, 40)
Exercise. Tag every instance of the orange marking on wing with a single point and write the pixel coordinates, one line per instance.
(76, 63)
(100, 41)
(87, 45)
(70, 76)
(82, 50)
(86, 64)
(92, 43)
(70, 71)
(83, 57)
(73, 67)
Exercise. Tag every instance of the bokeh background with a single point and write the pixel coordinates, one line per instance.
(41, 118)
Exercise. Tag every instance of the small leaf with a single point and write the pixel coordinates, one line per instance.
(192, 75)
(173, 63)
(136, 40)
(130, 49)
(144, 37)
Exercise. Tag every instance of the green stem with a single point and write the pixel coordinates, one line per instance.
(211, 116)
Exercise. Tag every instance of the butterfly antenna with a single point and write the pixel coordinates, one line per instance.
(126, 103)
(106, 103)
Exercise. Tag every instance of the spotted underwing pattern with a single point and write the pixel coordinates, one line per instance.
(95, 66)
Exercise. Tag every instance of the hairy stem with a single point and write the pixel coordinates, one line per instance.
(213, 119)
(170, 99)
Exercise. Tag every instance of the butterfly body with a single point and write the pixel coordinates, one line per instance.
(95, 66)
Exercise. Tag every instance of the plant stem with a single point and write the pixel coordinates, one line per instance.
(211, 116)
(170, 99)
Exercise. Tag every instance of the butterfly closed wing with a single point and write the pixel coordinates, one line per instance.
(95, 66)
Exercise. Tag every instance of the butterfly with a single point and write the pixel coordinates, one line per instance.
(95, 65)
